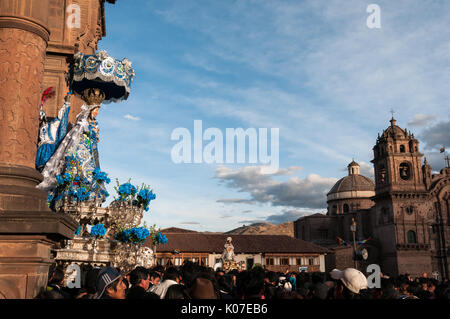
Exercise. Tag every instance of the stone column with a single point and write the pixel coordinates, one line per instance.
(28, 229)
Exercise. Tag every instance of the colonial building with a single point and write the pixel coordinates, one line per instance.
(275, 252)
(405, 214)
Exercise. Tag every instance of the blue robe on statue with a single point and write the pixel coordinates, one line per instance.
(50, 136)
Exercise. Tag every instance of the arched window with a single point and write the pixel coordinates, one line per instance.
(409, 210)
(382, 170)
(412, 237)
(405, 171)
(345, 208)
(402, 148)
(385, 215)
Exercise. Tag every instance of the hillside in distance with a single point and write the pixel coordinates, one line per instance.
(264, 229)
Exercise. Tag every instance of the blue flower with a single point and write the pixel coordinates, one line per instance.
(162, 239)
(136, 235)
(104, 192)
(82, 194)
(67, 177)
(144, 197)
(100, 176)
(98, 230)
(126, 189)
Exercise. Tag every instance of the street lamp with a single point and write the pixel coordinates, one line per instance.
(353, 230)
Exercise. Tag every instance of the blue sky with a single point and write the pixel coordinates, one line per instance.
(313, 69)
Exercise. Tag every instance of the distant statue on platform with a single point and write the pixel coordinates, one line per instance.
(228, 252)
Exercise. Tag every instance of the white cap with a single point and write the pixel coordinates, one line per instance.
(352, 278)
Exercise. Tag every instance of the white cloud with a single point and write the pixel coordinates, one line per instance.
(235, 201)
(366, 169)
(421, 119)
(309, 192)
(131, 117)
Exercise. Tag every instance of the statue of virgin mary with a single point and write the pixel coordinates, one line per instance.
(69, 162)
(75, 162)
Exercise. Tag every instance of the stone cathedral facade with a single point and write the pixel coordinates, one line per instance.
(404, 213)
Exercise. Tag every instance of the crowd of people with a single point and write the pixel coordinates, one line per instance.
(192, 281)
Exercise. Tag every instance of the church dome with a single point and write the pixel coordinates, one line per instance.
(354, 185)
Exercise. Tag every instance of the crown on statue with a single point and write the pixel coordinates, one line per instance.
(102, 71)
(93, 96)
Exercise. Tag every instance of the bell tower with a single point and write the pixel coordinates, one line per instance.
(397, 161)
(399, 218)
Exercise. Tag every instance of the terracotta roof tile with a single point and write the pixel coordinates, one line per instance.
(207, 242)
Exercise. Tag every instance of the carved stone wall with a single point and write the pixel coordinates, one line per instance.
(22, 57)
(28, 229)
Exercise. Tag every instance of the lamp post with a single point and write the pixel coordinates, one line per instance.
(353, 230)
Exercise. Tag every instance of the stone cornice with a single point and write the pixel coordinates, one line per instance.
(25, 23)
(54, 225)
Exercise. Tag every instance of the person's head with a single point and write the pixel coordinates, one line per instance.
(203, 288)
(159, 269)
(111, 283)
(140, 277)
(219, 272)
(172, 274)
(117, 289)
(155, 278)
(271, 277)
(431, 286)
(49, 294)
(340, 291)
(176, 292)
(317, 277)
(253, 283)
(349, 280)
(225, 283)
(57, 277)
(91, 280)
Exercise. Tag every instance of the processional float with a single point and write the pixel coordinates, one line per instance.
(68, 159)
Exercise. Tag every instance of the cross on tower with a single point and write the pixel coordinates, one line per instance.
(392, 112)
(447, 159)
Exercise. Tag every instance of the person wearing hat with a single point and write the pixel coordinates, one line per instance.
(203, 288)
(110, 284)
(350, 282)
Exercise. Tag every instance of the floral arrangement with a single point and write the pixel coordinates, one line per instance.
(100, 176)
(144, 197)
(77, 186)
(140, 197)
(161, 238)
(98, 230)
(125, 191)
(135, 235)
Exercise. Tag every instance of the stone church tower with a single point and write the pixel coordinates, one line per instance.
(406, 213)
(400, 217)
